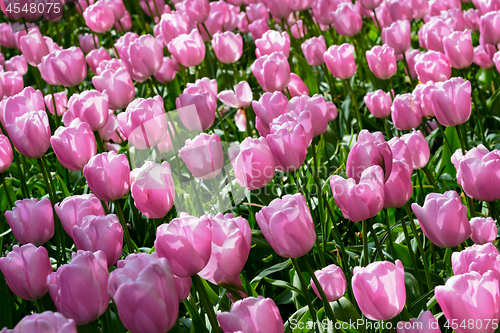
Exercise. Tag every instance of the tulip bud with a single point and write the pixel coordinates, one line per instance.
(382, 61)
(272, 71)
(379, 289)
(484, 230)
(405, 113)
(451, 101)
(5, 153)
(47, 321)
(378, 103)
(432, 66)
(66, 67)
(332, 280)
(340, 61)
(72, 210)
(189, 50)
(418, 148)
(443, 219)
(398, 36)
(313, 49)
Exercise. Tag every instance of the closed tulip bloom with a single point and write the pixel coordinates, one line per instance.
(378, 103)
(272, 71)
(278, 9)
(432, 66)
(418, 148)
(288, 144)
(399, 10)
(362, 200)
(26, 269)
(256, 11)
(244, 315)
(422, 97)
(144, 291)
(90, 107)
(231, 241)
(370, 4)
(186, 243)
(484, 230)
(72, 210)
(96, 57)
(297, 87)
(258, 28)
(143, 57)
(398, 36)
(12, 83)
(398, 188)
(61, 102)
(203, 155)
(75, 145)
(189, 50)
(483, 57)
(323, 10)
(347, 20)
(108, 175)
(47, 321)
(273, 41)
(472, 17)
(451, 101)
(458, 49)
(311, 112)
(17, 64)
(5, 153)
(253, 163)
(288, 226)
(66, 67)
(23, 102)
(405, 113)
(78, 289)
(382, 61)
(433, 33)
(228, 46)
(424, 323)
(401, 152)
(443, 219)
(173, 25)
(313, 50)
(197, 10)
(33, 47)
(470, 297)
(489, 26)
(168, 70)
(99, 17)
(198, 110)
(379, 289)
(30, 133)
(118, 7)
(118, 85)
(144, 122)
(269, 107)
(88, 42)
(340, 61)
(103, 233)
(31, 221)
(241, 97)
(332, 280)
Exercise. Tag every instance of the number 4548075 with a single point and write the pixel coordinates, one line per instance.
(42, 8)
(472, 324)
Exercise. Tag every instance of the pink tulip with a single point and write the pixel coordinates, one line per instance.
(143, 57)
(114, 63)
(282, 214)
(17, 64)
(45, 321)
(197, 10)
(257, 11)
(496, 60)
(67, 67)
(398, 188)
(198, 110)
(88, 42)
(7, 37)
(418, 148)
(231, 241)
(186, 243)
(125, 23)
(315, 109)
(229, 14)
(153, 8)
(168, 70)
(74, 145)
(78, 289)
(30, 133)
(313, 50)
(347, 20)
(278, 9)
(33, 47)
(471, 18)
(422, 97)
(332, 280)
(458, 49)
(108, 175)
(331, 111)
(340, 61)
(269, 107)
(401, 152)
(26, 269)
(5, 153)
(96, 57)
(244, 315)
(201, 86)
(398, 36)
(253, 163)
(411, 55)
(61, 103)
(81, 5)
(432, 66)
(443, 219)
(228, 47)
(91, 107)
(378, 103)
(241, 97)
(433, 33)
(188, 50)
(399, 10)
(118, 7)
(203, 156)
(273, 41)
(296, 86)
(99, 17)
(288, 144)
(23, 102)
(484, 230)
(31, 221)
(370, 4)
(298, 29)
(144, 291)
(299, 5)
(470, 297)
(489, 26)
(272, 71)
(12, 83)
(258, 28)
(72, 210)
(363, 200)
(424, 323)
(112, 131)
(103, 233)
(382, 61)
(451, 101)
(476, 258)
(144, 122)
(117, 84)
(173, 25)
(483, 56)
(405, 114)
(323, 10)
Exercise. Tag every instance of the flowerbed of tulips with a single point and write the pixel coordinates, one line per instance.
(249, 166)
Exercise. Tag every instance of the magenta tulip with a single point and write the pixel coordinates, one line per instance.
(33, 47)
(269, 107)
(313, 50)
(72, 210)
(332, 280)
(340, 61)
(347, 20)
(96, 57)
(188, 49)
(405, 113)
(489, 26)
(432, 66)
(398, 36)
(66, 67)
(484, 230)
(203, 155)
(458, 49)
(382, 61)
(90, 107)
(228, 47)
(99, 17)
(118, 85)
(196, 111)
(288, 144)
(451, 101)
(272, 71)
(378, 103)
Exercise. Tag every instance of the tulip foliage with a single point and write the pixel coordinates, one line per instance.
(256, 166)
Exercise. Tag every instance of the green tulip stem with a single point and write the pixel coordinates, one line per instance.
(377, 243)
(126, 233)
(355, 103)
(365, 243)
(206, 303)
(9, 199)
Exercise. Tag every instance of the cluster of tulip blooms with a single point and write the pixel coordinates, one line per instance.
(390, 97)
